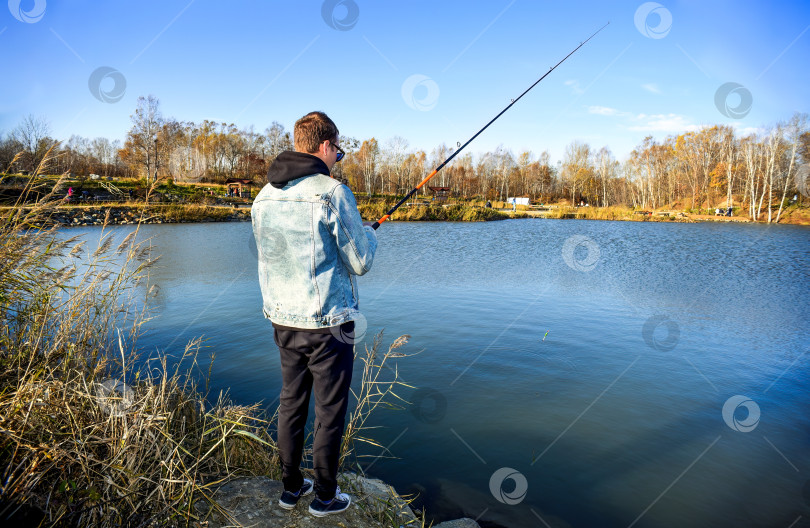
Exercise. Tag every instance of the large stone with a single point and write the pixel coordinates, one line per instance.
(253, 501)
(378, 497)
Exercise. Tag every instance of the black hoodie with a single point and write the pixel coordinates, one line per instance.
(291, 165)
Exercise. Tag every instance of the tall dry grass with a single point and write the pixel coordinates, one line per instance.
(449, 213)
(375, 391)
(191, 212)
(91, 434)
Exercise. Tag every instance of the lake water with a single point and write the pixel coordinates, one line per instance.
(571, 373)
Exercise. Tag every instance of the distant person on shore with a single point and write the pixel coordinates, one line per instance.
(311, 245)
(69, 196)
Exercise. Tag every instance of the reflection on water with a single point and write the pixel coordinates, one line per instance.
(593, 358)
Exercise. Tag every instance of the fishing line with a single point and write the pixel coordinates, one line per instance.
(385, 217)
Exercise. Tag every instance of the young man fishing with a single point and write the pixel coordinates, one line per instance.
(311, 245)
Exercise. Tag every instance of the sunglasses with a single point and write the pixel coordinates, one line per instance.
(340, 153)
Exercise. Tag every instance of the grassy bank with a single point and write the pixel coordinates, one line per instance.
(95, 434)
(795, 215)
(374, 210)
(192, 213)
(613, 213)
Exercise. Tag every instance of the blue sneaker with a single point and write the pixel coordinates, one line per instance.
(288, 499)
(339, 504)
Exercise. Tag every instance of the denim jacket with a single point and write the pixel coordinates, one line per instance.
(311, 243)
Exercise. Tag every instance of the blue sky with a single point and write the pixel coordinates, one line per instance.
(431, 72)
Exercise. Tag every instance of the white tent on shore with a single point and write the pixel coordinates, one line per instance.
(517, 200)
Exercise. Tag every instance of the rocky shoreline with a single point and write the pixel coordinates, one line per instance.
(253, 501)
(123, 215)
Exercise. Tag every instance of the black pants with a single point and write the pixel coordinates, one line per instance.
(319, 363)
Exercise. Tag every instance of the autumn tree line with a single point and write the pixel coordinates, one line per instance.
(708, 167)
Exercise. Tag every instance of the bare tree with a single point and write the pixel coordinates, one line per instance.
(102, 150)
(9, 147)
(752, 159)
(398, 152)
(33, 136)
(730, 155)
(277, 140)
(795, 129)
(140, 147)
(576, 166)
(368, 158)
(773, 152)
(605, 169)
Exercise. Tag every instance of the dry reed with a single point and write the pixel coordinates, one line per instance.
(88, 435)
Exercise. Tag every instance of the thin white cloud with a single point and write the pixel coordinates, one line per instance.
(604, 110)
(662, 123)
(652, 88)
(670, 123)
(575, 87)
(746, 131)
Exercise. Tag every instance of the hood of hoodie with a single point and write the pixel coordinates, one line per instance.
(291, 165)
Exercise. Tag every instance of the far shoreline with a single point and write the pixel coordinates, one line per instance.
(82, 215)
(87, 201)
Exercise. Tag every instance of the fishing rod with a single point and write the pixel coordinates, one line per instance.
(385, 217)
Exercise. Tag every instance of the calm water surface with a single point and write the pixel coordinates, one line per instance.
(591, 359)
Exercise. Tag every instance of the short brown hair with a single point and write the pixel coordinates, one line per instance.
(312, 130)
